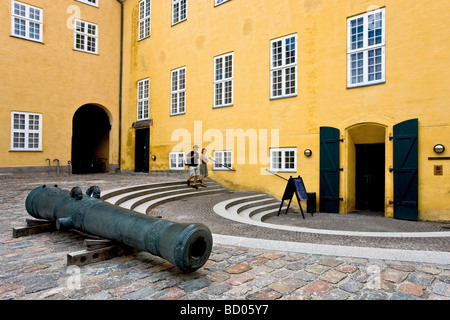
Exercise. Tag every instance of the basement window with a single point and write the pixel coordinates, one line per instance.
(283, 159)
(176, 161)
(26, 131)
(223, 160)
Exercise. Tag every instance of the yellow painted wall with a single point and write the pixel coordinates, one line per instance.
(417, 73)
(53, 79)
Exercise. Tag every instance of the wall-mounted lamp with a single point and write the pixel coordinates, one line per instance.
(308, 152)
(153, 157)
(439, 148)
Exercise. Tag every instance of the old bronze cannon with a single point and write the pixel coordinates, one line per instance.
(187, 246)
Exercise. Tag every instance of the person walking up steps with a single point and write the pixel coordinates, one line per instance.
(194, 170)
(203, 167)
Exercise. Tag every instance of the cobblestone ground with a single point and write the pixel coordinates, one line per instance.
(34, 267)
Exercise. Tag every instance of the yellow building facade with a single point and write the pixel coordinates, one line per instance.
(350, 95)
(59, 85)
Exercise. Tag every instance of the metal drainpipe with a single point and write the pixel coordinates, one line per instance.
(120, 81)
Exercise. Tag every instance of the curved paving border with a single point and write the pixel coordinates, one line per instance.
(222, 210)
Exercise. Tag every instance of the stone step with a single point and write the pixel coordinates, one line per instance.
(144, 198)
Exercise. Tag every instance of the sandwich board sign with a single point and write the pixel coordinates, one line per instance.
(297, 187)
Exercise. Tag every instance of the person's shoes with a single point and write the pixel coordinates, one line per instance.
(204, 186)
(189, 182)
(194, 186)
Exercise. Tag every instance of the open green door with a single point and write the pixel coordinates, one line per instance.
(329, 169)
(406, 182)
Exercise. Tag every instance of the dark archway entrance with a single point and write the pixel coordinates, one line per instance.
(90, 140)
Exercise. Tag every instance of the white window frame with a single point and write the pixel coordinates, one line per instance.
(31, 125)
(179, 11)
(219, 2)
(366, 55)
(144, 19)
(81, 31)
(178, 91)
(283, 164)
(176, 161)
(143, 99)
(223, 80)
(219, 160)
(93, 3)
(281, 68)
(27, 22)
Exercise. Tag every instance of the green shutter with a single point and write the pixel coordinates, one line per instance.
(406, 186)
(329, 169)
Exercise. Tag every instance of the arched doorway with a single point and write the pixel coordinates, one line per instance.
(90, 140)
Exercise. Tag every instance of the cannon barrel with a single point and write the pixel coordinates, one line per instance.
(187, 246)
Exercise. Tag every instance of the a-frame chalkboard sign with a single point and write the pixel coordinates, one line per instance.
(297, 187)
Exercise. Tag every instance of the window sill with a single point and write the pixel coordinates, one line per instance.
(25, 151)
(177, 114)
(366, 85)
(224, 106)
(283, 97)
(78, 50)
(23, 38)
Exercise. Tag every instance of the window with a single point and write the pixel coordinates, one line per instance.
(176, 161)
(223, 160)
(86, 36)
(178, 92)
(91, 2)
(26, 21)
(143, 99)
(223, 80)
(26, 131)
(179, 11)
(144, 19)
(283, 159)
(217, 2)
(283, 79)
(366, 49)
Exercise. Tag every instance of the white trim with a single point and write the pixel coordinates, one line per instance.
(282, 157)
(179, 18)
(219, 2)
(93, 3)
(178, 158)
(25, 129)
(283, 67)
(223, 80)
(219, 163)
(144, 16)
(177, 89)
(364, 47)
(81, 29)
(27, 21)
(143, 101)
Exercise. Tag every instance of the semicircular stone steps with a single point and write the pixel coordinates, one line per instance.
(144, 198)
(252, 208)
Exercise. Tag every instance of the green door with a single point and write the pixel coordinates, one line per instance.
(406, 186)
(329, 169)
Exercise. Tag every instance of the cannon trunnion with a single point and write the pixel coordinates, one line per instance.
(187, 246)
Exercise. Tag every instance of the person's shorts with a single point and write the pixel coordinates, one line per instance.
(194, 171)
(203, 169)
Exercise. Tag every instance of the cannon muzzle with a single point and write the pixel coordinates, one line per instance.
(187, 246)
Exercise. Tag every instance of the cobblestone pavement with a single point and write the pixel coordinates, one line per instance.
(34, 267)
